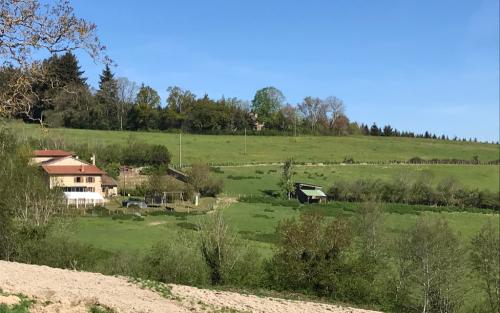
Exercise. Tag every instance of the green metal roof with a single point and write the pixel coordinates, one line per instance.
(313, 193)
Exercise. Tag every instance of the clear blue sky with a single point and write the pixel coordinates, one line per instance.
(418, 65)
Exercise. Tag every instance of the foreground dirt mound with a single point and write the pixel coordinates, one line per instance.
(57, 290)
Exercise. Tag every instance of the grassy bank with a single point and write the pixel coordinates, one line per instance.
(230, 149)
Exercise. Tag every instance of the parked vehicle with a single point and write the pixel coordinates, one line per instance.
(132, 202)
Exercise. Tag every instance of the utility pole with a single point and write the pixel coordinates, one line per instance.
(180, 149)
(245, 141)
(295, 126)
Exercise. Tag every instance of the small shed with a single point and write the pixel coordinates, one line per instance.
(308, 193)
(109, 186)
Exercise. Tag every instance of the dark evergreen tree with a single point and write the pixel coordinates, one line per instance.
(107, 100)
(388, 131)
(374, 130)
(64, 75)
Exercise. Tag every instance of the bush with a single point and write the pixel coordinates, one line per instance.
(38, 247)
(203, 181)
(176, 261)
(311, 255)
(159, 155)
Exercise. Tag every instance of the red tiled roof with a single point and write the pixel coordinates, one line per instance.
(51, 153)
(72, 169)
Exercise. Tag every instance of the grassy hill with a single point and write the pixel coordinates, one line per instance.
(259, 179)
(230, 149)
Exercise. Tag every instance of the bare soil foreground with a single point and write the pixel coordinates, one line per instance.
(58, 290)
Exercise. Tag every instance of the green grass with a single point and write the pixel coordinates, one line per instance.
(100, 309)
(22, 307)
(254, 222)
(223, 149)
(261, 179)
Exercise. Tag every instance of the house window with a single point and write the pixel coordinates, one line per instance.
(90, 179)
(78, 179)
(91, 189)
(73, 189)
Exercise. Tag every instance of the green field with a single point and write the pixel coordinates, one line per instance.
(255, 222)
(257, 180)
(264, 149)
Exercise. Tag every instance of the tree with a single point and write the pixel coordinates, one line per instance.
(217, 244)
(179, 100)
(159, 156)
(267, 102)
(368, 226)
(374, 130)
(429, 269)
(286, 182)
(127, 91)
(147, 96)
(313, 110)
(203, 181)
(341, 125)
(336, 107)
(485, 259)
(107, 98)
(310, 254)
(388, 131)
(29, 29)
(145, 113)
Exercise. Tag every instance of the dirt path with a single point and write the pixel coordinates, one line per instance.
(57, 290)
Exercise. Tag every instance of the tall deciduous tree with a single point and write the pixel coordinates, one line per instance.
(313, 111)
(127, 91)
(148, 96)
(429, 268)
(485, 259)
(336, 107)
(267, 102)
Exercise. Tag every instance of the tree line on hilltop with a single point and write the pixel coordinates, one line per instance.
(67, 100)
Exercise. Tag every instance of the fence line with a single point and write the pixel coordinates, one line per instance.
(392, 162)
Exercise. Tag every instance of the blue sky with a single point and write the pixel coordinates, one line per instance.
(418, 65)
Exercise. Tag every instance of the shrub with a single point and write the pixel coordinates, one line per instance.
(36, 247)
(228, 260)
(311, 254)
(159, 155)
(216, 170)
(176, 261)
(203, 181)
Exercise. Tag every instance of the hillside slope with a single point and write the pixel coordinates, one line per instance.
(58, 290)
(223, 148)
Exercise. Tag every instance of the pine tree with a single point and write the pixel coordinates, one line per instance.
(69, 71)
(374, 130)
(107, 100)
